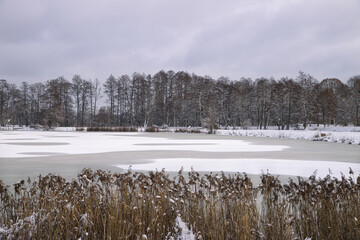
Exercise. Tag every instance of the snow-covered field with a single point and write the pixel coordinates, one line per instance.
(166, 150)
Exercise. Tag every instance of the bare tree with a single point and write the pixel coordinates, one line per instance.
(326, 106)
(85, 98)
(124, 100)
(354, 85)
(4, 88)
(94, 96)
(333, 91)
(160, 88)
(181, 99)
(37, 92)
(77, 85)
(307, 83)
(110, 90)
(263, 96)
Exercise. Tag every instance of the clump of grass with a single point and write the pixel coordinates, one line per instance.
(112, 129)
(102, 205)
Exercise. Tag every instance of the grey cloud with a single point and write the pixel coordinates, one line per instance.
(41, 39)
(296, 37)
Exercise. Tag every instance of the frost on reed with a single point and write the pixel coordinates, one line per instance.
(101, 205)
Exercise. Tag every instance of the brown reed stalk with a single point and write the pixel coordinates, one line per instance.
(130, 205)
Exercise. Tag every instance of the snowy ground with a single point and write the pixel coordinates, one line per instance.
(338, 135)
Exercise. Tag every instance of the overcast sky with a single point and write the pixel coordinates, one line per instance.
(42, 40)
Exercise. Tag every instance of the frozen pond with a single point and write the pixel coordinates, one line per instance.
(25, 154)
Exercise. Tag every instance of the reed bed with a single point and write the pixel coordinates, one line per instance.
(112, 129)
(132, 205)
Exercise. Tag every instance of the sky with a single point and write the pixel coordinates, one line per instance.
(45, 39)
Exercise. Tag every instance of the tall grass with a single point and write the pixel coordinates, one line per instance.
(104, 205)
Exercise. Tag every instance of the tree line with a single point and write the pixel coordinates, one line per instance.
(181, 99)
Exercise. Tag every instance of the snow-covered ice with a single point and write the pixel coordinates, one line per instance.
(32, 143)
(173, 151)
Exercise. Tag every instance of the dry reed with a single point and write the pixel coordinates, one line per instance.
(131, 205)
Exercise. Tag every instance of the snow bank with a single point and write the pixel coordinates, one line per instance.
(36, 128)
(65, 129)
(313, 135)
(16, 128)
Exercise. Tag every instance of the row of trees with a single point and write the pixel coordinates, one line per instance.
(181, 99)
